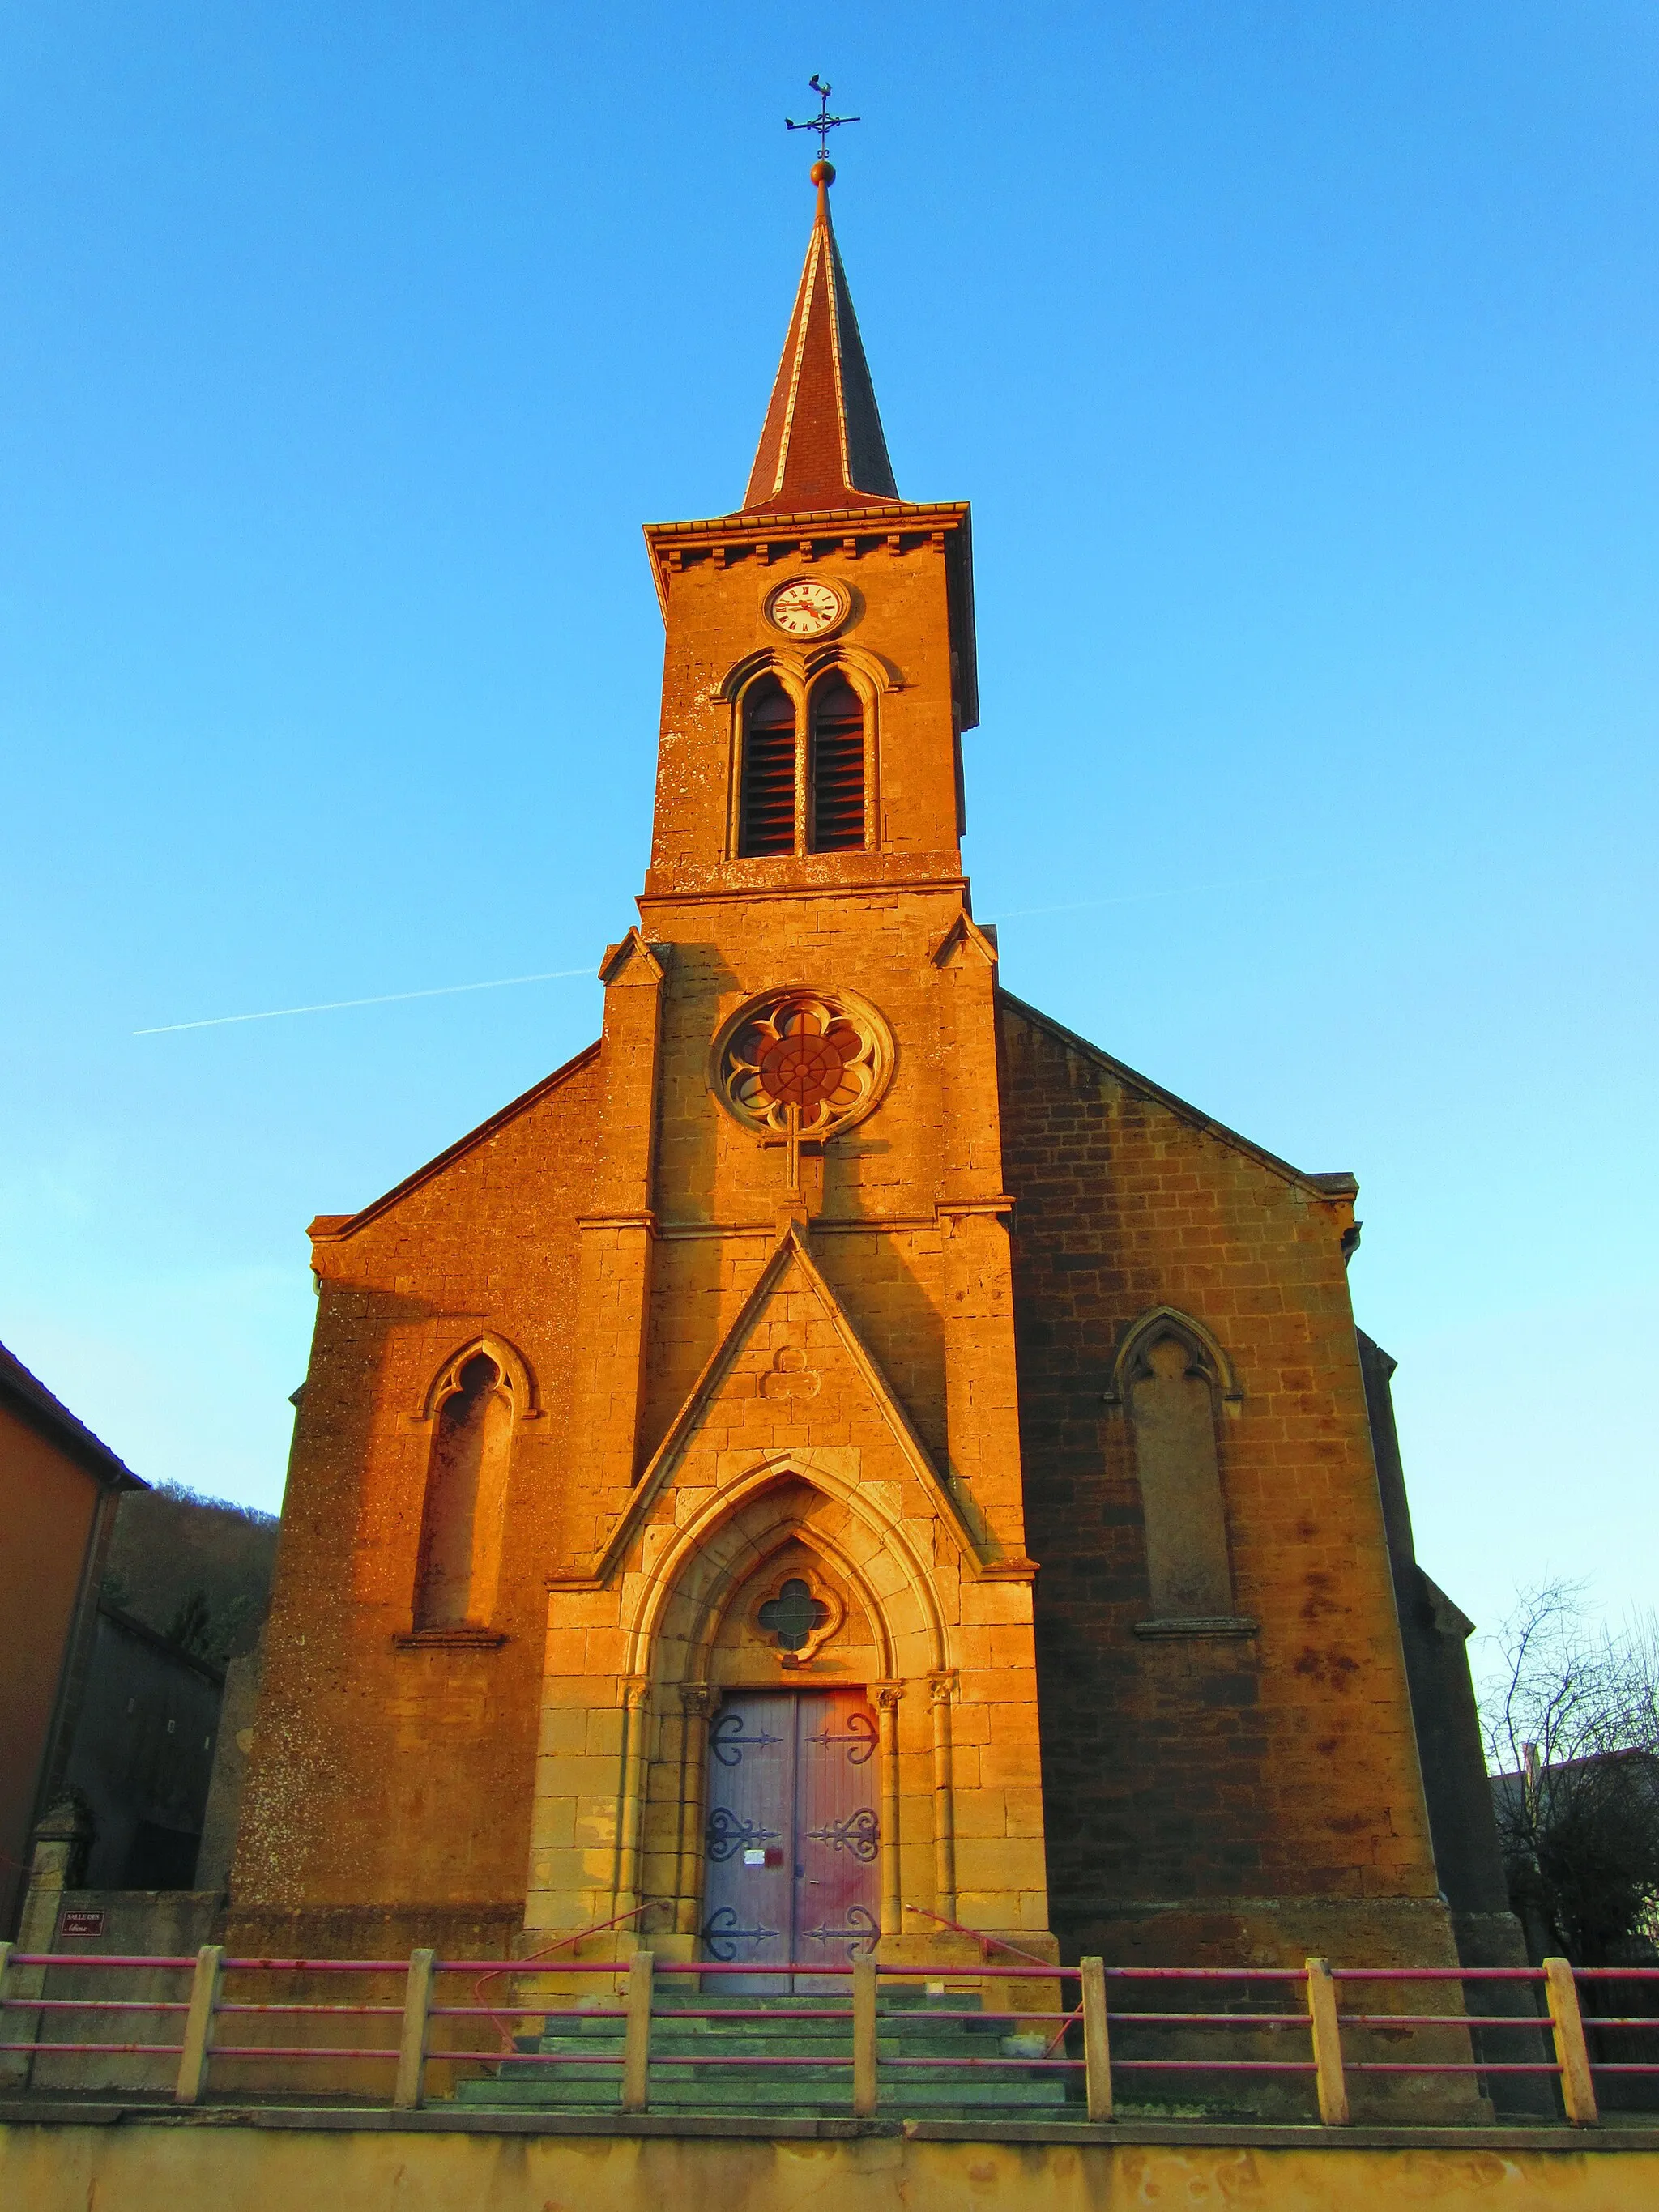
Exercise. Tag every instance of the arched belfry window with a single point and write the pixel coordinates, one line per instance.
(465, 1496)
(768, 807)
(1173, 1381)
(836, 780)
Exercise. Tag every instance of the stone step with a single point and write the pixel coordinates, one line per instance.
(744, 2042)
(664, 2000)
(838, 2019)
(807, 2109)
(746, 2083)
(787, 2099)
(684, 2031)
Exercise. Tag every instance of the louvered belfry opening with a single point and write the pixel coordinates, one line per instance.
(837, 768)
(767, 823)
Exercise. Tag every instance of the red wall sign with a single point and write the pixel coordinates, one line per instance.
(81, 1923)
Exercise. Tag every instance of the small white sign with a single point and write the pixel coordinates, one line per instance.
(753, 1858)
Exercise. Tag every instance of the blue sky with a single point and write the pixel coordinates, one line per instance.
(1299, 362)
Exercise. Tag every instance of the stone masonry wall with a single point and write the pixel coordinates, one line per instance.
(1193, 1769)
(397, 1773)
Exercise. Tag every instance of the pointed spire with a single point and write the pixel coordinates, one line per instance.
(822, 445)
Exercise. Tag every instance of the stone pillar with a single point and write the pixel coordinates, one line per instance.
(943, 1687)
(62, 1841)
(636, 1709)
(887, 1696)
(981, 1387)
(617, 1234)
(696, 1703)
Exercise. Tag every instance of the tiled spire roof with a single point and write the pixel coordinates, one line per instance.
(822, 445)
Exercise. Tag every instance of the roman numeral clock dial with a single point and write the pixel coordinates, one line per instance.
(805, 608)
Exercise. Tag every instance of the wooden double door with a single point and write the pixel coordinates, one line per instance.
(792, 1846)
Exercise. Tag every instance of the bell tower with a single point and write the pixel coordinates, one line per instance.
(794, 1334)
(824, 584)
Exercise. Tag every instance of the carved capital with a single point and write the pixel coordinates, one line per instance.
(636, 1689)
(887, 1696)
(697, 1700)
(942, 1685)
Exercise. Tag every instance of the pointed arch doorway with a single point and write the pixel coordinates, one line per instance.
(793, 1839)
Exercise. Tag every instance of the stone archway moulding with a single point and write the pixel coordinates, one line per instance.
(1169, 1321)
(658, 1588)
(732, 1539)
(514, 1365)
(800, 669)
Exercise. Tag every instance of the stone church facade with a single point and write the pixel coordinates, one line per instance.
(845, 1462)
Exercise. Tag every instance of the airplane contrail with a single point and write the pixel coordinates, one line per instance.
(385, 999)
(563, 975)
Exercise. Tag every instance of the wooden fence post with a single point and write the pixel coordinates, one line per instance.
(1571, 2051)
(1096, 2044)
(1326, 2044)
(418, 2021)
(199, 2024)
(866, 2094)
(636, 2033)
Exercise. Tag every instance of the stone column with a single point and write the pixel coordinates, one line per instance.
(636, 1721)
(696, 1703)
(942, 1685)
(887, 1696)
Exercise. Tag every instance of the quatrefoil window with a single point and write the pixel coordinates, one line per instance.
(793, 1616)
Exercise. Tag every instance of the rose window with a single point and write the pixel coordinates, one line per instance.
(819, 1059)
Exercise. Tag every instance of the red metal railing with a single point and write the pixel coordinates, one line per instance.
(1097, 2044)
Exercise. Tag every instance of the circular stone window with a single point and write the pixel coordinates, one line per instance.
(825, 1055)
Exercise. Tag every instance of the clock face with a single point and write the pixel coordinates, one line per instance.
(805, 608)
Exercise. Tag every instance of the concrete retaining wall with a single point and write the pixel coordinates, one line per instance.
(291, 2162)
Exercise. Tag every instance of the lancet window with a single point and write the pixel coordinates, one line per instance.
(465, 1497)
(1169, 1382)
(837, 776)
(769, 771)
(802, 784)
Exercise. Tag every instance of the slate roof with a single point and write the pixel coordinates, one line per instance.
(28, 1396)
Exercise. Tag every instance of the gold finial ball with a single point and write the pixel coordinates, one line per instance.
(824, 173)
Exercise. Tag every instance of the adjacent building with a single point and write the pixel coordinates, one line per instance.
(59, 1489)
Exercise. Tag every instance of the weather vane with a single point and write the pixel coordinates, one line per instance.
(823, 123)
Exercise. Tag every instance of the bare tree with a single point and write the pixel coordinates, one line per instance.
(1572, 1735)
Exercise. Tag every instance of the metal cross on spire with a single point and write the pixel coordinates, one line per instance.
(823, 123)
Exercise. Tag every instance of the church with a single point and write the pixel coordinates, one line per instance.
(844, 1467)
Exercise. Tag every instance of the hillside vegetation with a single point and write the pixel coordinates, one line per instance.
(197, 1570)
